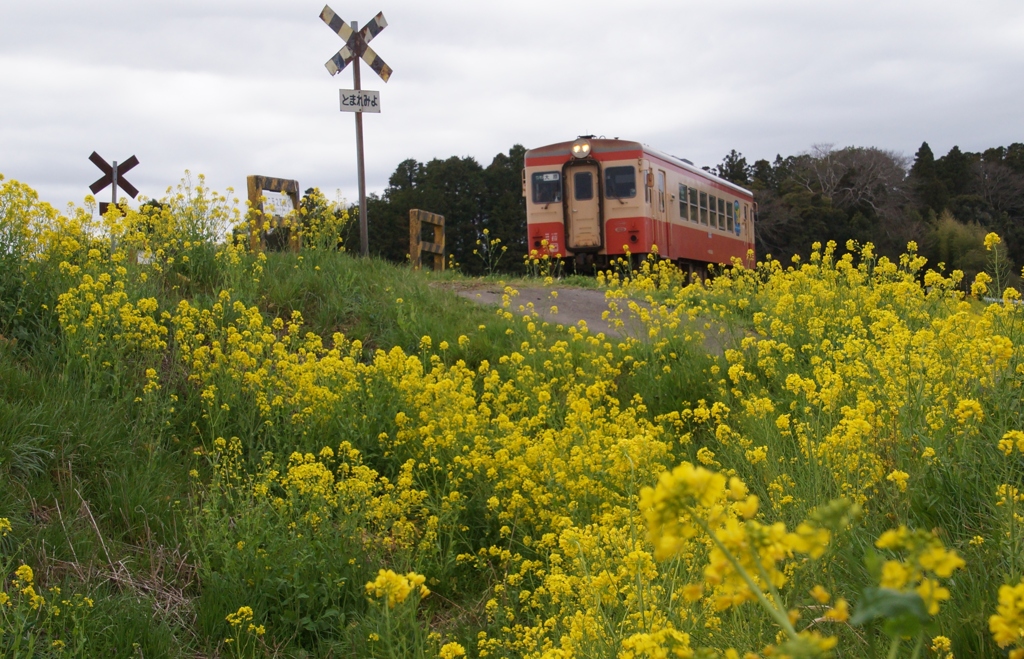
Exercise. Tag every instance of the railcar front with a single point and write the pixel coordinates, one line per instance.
(573, 189)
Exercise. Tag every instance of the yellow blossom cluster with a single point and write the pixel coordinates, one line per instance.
(396, 588)
(925, 561)
(1007, 624)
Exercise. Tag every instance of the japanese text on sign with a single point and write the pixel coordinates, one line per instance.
(276, 204)
(353, 100)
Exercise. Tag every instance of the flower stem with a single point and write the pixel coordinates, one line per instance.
(894, 647)
(773, 610)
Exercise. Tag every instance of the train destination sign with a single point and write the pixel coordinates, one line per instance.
(359, 100)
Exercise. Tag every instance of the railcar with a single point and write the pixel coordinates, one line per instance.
(591, 200)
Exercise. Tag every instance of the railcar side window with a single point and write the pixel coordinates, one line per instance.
(721, 213)
(703, 207)
(693, 205)
(547, 187)
(713, 203)
(729, 218)
(683, 205)
(583, 186)
(620, 182)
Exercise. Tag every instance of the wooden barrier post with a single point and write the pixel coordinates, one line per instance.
(417, 247)
(256, 186)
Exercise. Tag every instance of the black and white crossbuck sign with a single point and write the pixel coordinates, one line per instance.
(113, 174)
(356, 43)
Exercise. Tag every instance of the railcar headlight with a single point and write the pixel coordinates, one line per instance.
(581, 148)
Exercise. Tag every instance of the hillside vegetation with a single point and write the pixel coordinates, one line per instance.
(211, 452)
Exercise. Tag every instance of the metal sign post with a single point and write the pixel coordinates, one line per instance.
(113, 175)
(364, 229)
(356, 48)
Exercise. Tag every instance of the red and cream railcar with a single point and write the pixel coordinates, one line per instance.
(594, 198)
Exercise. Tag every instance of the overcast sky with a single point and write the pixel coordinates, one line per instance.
(229, 88)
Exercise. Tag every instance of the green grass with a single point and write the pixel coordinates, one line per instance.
(377, 302)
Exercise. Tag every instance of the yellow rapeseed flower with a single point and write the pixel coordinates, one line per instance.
(820, 595)
(1007, 624)
(240, 617)
(396, 588)
(900, 478)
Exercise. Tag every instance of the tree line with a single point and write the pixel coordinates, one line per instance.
(945, 204)
(471, 198)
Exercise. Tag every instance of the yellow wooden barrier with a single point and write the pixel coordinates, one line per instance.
(417, 247)
(256, 185)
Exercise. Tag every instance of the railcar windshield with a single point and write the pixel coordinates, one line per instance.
(620, 182)
(583, 184)
(547, 187)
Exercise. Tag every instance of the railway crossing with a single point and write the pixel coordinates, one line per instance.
(357, 47)
(113, 174)
(356, 43)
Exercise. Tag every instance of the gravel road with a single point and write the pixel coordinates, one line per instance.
(587, 304)
(573, 304)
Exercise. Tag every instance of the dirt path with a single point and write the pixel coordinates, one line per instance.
(572, 304)
(576, 304)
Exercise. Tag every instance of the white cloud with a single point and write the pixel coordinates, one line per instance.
(232, 88)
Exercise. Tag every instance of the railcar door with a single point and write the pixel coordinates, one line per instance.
(584, 221)
(662, 218)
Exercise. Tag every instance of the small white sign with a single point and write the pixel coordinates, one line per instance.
(359, 101)
(276, 204)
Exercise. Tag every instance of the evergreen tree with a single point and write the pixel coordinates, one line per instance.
(954, 169)
(1013, 157)
(929, 191)
(734, 168)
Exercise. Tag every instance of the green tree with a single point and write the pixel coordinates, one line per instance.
(833, 194)
(957, 245)
(954, 169)
(734, 168)
(928, 188)
(470, 198)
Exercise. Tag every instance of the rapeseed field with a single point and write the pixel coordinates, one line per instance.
(227, 456)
